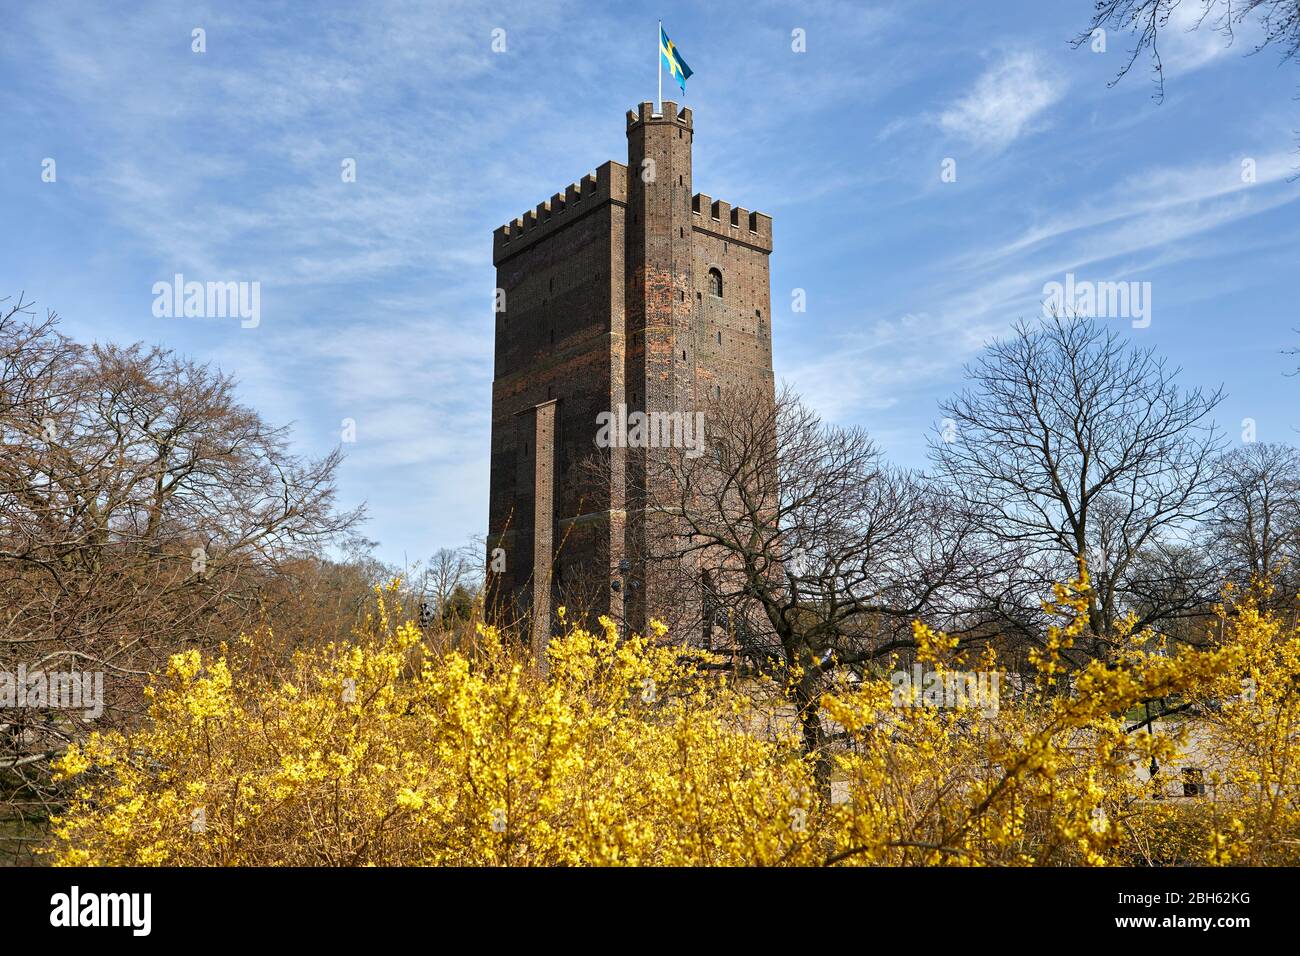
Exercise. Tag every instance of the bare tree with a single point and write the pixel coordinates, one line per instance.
(807, 553)
(449, 573)
(1148, 21)
(1254, 529)
(142, 510)
(447, 569)
(1069, 442)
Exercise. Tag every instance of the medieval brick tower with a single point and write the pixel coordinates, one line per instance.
(625, 290)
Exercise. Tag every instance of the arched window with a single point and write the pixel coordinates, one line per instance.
(715, 283)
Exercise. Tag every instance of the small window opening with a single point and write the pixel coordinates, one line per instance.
(715, 282)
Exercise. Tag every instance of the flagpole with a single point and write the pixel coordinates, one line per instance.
(659, 68)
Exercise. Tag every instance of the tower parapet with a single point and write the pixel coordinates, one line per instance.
(645, 113)
(734, 223)
(607, 183)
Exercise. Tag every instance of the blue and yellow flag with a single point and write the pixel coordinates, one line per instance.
(672, 58)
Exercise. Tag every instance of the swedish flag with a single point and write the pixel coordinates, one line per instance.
(672, 58)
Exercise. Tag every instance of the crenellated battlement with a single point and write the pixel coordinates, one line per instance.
(645, 113)
(608, 182)
(735, 223)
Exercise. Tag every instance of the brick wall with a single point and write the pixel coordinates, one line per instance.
(607, 303)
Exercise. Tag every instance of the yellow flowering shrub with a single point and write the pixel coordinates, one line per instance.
(379, 752)
(1054, 777)
(383, 751)
(1246, 737)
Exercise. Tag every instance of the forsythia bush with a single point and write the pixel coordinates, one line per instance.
(383, 752)
(374, 753)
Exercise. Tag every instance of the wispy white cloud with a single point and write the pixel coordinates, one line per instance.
(1149, 225)
(1160, 204)
(376, 294)
(1198, 34)
(1006, 102)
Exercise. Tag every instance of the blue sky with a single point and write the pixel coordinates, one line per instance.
(376, 295)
